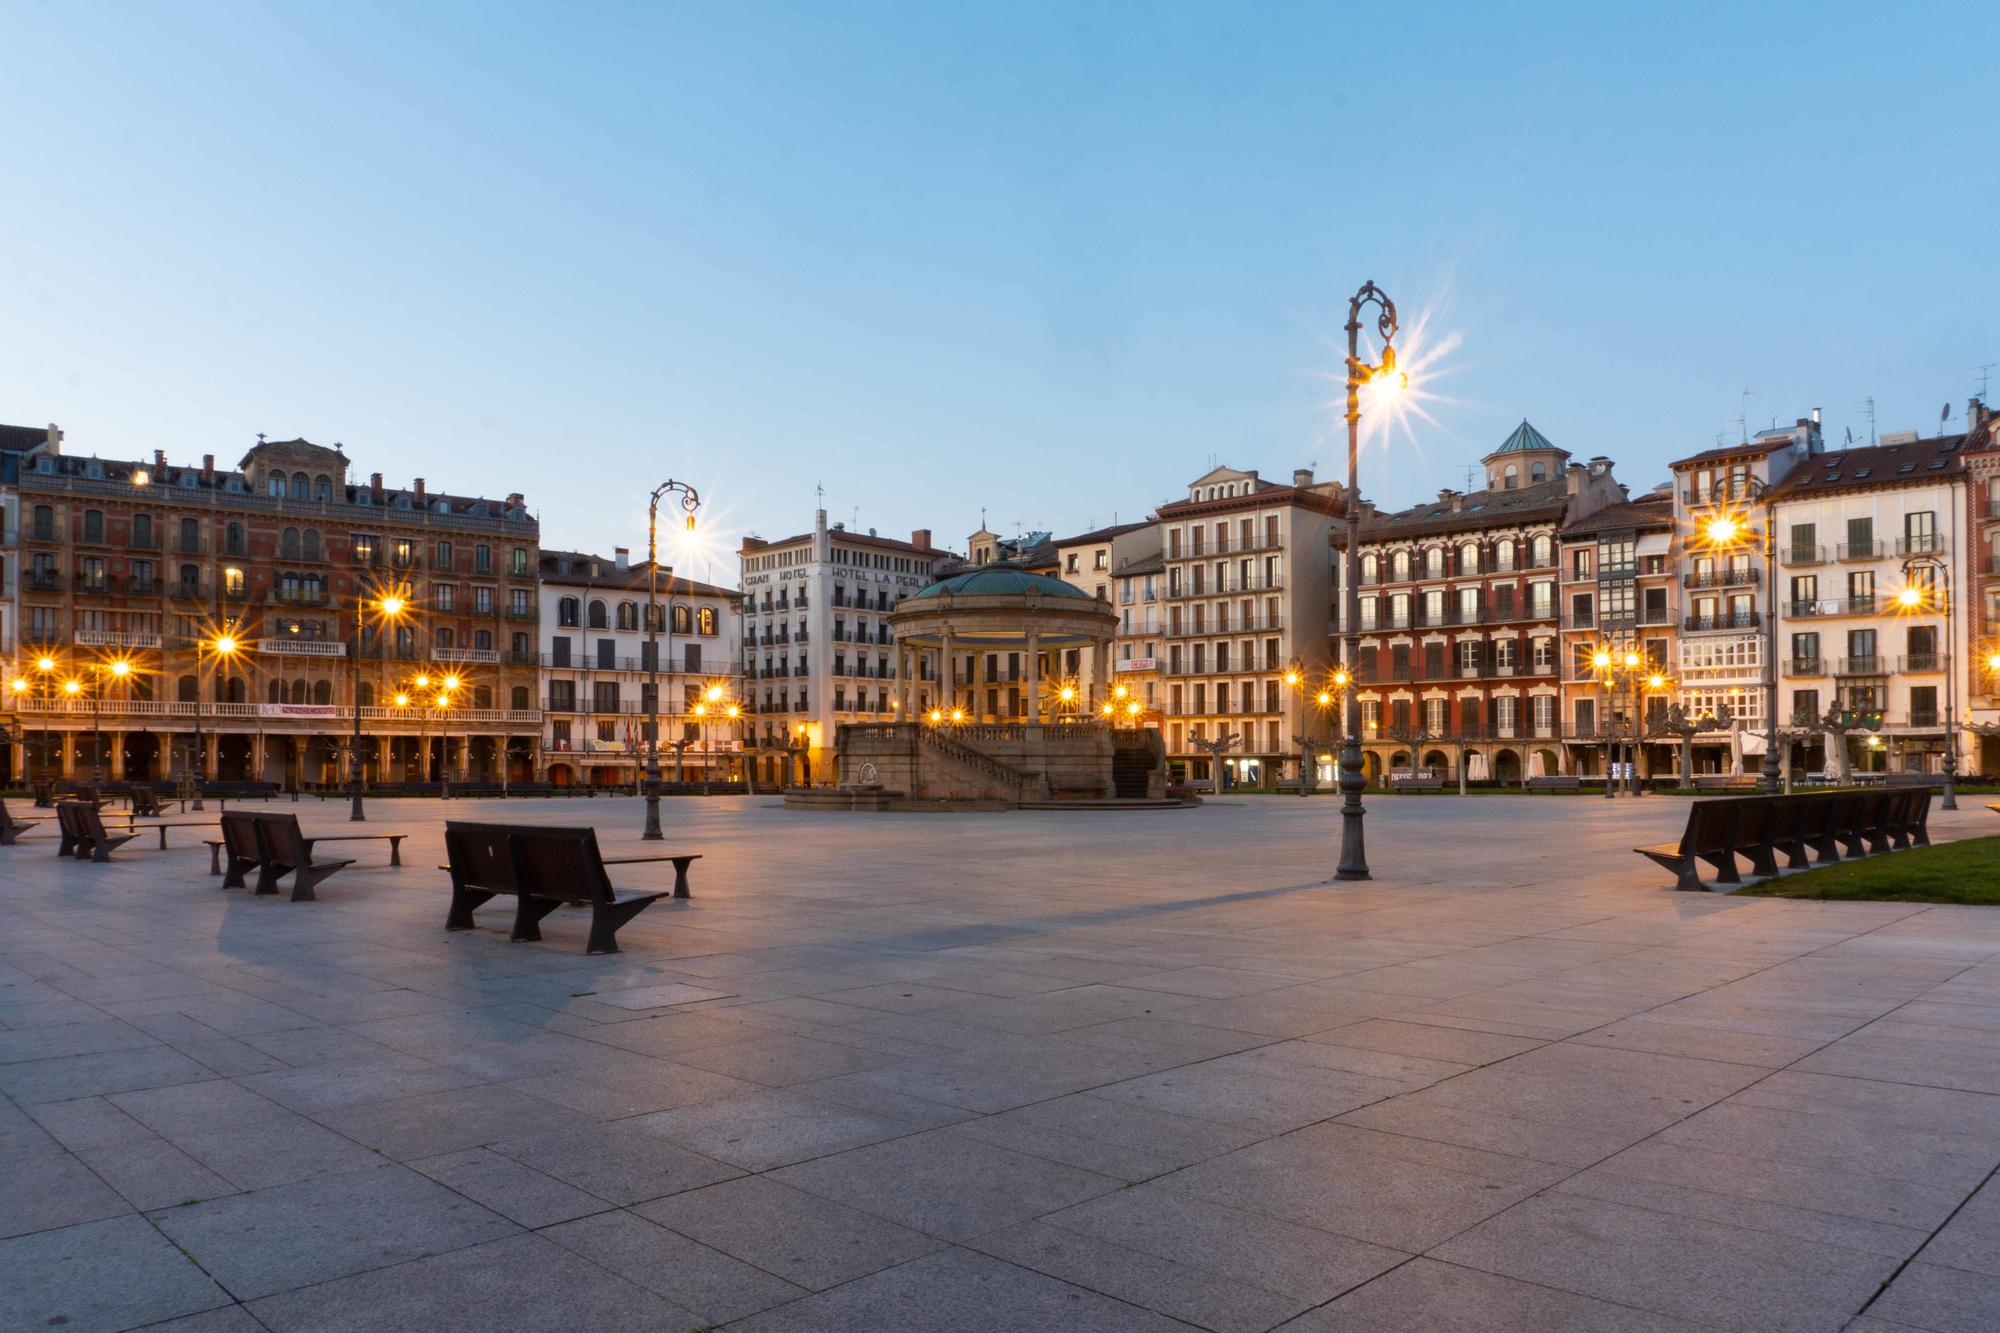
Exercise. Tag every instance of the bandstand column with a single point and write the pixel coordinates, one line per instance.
(1034, 679)
(948, 673)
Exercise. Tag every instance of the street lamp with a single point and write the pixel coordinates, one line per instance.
(45, 667)
(224, 647)
(1913, 598)
(1729, 532)
(1387, 379)
(690, 502)
(390, 608)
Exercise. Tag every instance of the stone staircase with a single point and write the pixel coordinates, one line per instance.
(1010, 781)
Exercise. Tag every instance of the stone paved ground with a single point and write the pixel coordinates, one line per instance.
(1144, 1071)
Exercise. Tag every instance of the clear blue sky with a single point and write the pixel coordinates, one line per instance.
(1046, 260)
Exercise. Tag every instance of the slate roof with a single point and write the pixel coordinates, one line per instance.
(1913, 463)
(1541, 502)
(1104, 534)
(1647, 513)
(20, 439)
(608, 575)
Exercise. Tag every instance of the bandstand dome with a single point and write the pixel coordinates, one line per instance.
(1000, 580)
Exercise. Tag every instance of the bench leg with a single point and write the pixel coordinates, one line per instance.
(1920, 835)
(1687, 876)
(681, 864)
(1763, 859)
(215, 860)
(268, 875)
(606, 918)
(1795, 856)
(464, 902)
(528, 913)
(163, 837)
(395, 851)
(307, 879)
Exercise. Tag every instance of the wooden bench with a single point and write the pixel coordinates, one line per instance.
(83, 833)
(1419, 782)
(282, 850)
(544, 868)
(1556, 782)
(238, 845)
(1747, 782)
(11, 828)
(1830, 826)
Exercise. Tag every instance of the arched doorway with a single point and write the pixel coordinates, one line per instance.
(1550, 764)
(232, 758)
(142, 757)
(1371, 766)
(1507, 768)
(561, 775)
(1437, 763)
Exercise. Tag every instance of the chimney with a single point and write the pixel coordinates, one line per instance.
(419, 491)
(517, 501)
(159, 462)
(921, 539)
(622, 556)
(375, 487)
(1302, 477)
(208, 469)
(54, 438)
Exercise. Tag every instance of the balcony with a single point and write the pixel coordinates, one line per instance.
(1734, 492)
(1929, 543)
(190, 543)
(1805, 666)
(1836, 606)
(1229, 587)
(1723, 578)
(95, 585)
(296, 595)
(1855, 551)
(522, 613)
(45, 534)
(42, 580)
(1923, 663)
(289, 646)
(1724, 620)
(185, 591)
(1793, 557)
(1871, 665)
(111, 638)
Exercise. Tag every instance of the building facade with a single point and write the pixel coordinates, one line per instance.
(1122, 565)
(1461, 649)
(140, 568)
(1979, 590)
(1855, 529)
(1247, 585)
(600, 621)
(1621, 595)
(816, 643)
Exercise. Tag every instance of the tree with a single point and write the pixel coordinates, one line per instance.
(1675, 722)
(1838, 724)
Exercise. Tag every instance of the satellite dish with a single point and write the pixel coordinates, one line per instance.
(1944, 415)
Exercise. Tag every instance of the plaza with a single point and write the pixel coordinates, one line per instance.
(1128, 1071)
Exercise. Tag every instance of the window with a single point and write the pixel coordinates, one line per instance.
(482, 601)
(276, 485)
(482, 559)
(628, 615)
(1586, 717)
(323, 489)
(598, 617)
(444, 555)
(520, 559)
(567, 611)
(444, 596)
(705, 621)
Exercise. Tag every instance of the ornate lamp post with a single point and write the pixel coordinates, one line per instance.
(1622, 672)
(1915, 598)
(223, 647)
(1385, 376)
(690, 502)
(1731, 532)
(391, 609)
(45, 667)
(117, 669)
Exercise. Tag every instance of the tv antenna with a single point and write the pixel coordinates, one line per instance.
(1743, 416)
(1471, 475)
(1985, 379)
(1868, 409)
(1944, 415)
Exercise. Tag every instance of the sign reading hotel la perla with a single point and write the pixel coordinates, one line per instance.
(297, 710)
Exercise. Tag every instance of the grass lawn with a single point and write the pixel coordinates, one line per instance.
(1951, 872)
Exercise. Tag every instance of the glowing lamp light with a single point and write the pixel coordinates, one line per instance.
(1911, 596)
(1325, 698)
(451, 682)
(1723, 529)
(393, 606)
(734, 711)
(1340, 679)
(72, 687)
(121, 668)
(1121, 692)
(701, 710)
(1602, 661)
(690, 523)
(937, 714)
(1106, 710)
(1132, 709)
(714, 693)
(423, 682)
(19, 685)
(45, 664)
(225, 645)
(1291, 678)
(1067, 694)
(1631, 659)
(1993, 662)
(1656, 681)
(140, 477)
(958, 715)
(402, 701)
(1387, 381)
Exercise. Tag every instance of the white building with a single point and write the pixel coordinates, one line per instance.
(1247, 583)
(595, 669)
(817, 651)
(1724, 627)
(1848, 524)
(1123, 565)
